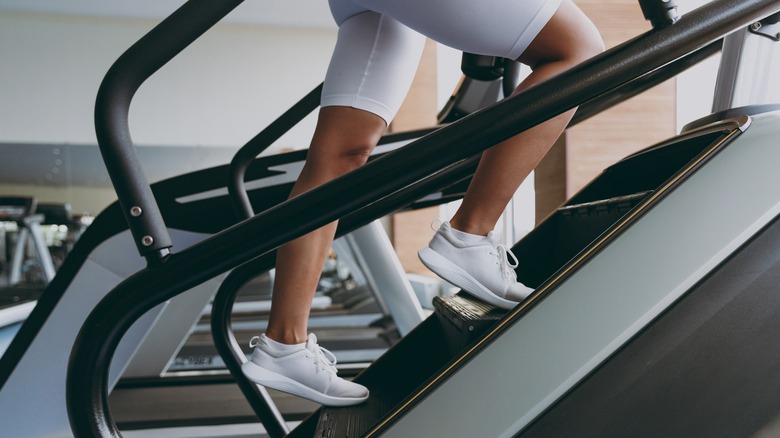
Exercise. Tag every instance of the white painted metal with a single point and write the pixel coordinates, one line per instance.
(747, 69)
(383, 271)
(32, 401)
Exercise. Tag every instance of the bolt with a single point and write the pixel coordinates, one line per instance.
(135, 211)
(147, 240)
(755, 26)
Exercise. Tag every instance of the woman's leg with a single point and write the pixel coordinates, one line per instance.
(464, 251)
(343, 140)
(370, 72)
(568, 39)
(286, 357)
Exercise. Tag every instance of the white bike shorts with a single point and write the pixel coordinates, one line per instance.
(380, 42)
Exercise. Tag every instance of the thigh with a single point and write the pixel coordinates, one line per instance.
(373, 64)
(489, 27)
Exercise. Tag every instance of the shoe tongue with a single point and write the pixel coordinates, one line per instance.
(311, 343)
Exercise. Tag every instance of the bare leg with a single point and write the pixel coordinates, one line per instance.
(343, 141)
(568, 39)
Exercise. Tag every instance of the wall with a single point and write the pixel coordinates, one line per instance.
(219, 92)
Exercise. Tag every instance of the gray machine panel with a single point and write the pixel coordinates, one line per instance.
(609, 299)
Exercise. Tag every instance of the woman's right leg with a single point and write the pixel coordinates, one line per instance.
(465, 251)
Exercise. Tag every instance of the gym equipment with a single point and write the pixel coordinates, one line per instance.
(88, 386)
(446, 387)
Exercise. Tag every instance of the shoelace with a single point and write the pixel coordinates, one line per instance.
(507, 266)
(323, 358)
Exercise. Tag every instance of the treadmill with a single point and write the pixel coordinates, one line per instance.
(28, 269)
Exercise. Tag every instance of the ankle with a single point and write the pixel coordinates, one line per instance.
(470, 227)
(466, 237)
(286, 337)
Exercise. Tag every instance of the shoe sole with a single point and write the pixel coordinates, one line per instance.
(460, 278)
(276, 381)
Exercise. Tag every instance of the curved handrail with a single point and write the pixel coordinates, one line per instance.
(222, 308)
(230, 351)
(260, 143)
(112, 108)
(87, 375)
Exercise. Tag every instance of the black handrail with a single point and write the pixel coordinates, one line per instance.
(112, 107)
(266, 137)
(644, 83)
(227, 345)
(88, 369)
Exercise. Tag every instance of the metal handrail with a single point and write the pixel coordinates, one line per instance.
(266, 137)
(229, 350)
(358, 191)
(644, 82)
(224, 338)
(112, 108)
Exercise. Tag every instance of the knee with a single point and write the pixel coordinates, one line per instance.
(340, 159)
(588, 44)
(584, 38)
(585, 42)
(569, 38)
(353, 156)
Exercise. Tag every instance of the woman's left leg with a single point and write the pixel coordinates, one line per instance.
(568, 39)
(465, 251)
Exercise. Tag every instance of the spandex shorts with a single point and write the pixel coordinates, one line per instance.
(380, 42)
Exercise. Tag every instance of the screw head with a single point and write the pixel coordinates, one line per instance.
(147, 240)
(135, 211)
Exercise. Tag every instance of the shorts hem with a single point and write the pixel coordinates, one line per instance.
(361, 103)
(542, 17)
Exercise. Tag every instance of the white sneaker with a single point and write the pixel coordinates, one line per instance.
(309, 372)
(482, 268)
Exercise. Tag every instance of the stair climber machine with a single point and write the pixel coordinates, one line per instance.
(164, 357)
(655, 284)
